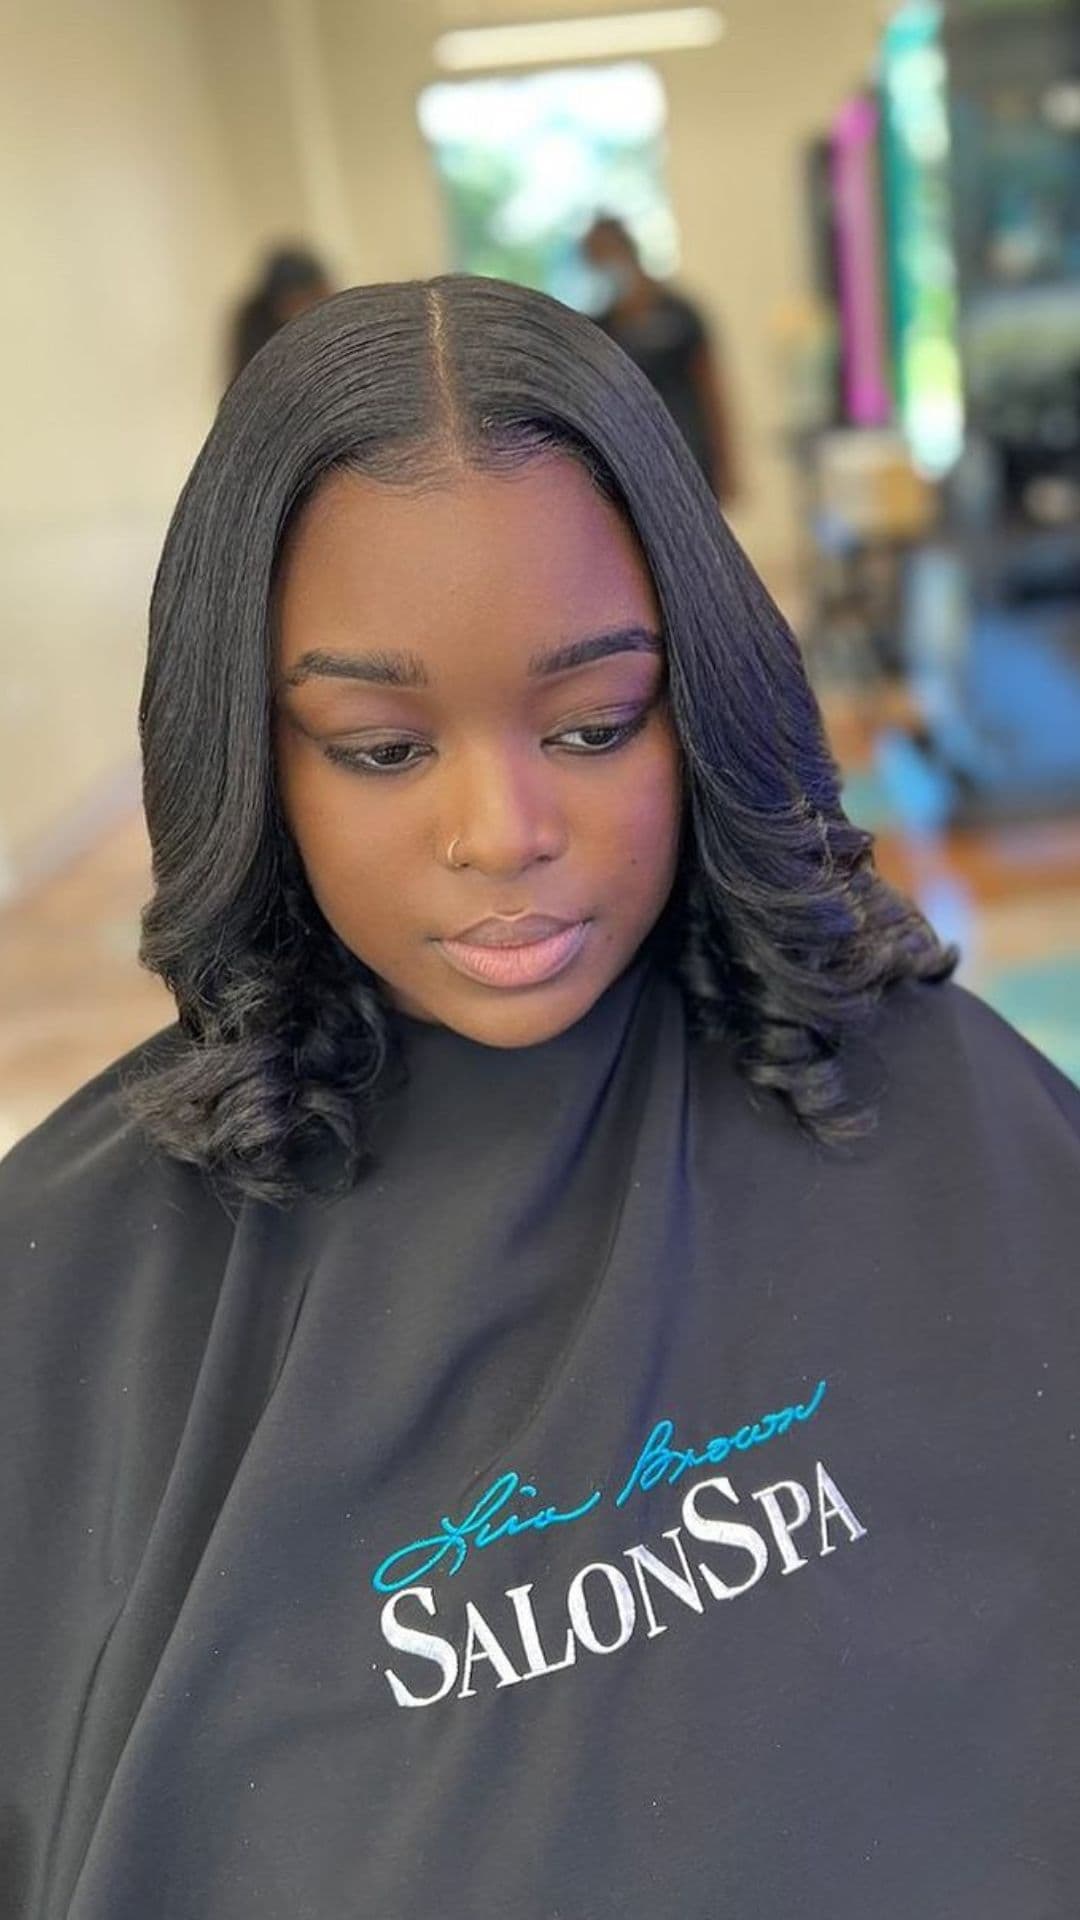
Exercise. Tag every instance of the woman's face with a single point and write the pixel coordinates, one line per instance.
(477, 667)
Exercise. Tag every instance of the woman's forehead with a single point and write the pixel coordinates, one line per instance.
(528, 556)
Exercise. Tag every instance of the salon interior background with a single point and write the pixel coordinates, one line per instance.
(154, 149)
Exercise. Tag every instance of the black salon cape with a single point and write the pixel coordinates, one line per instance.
(617, 1505)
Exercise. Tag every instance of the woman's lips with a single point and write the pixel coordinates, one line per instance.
(519, 966)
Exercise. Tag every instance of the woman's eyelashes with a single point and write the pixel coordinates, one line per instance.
(368, 760)
(591, 739)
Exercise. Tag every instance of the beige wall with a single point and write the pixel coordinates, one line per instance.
(150, 149)
(120, 233)
(378, 56)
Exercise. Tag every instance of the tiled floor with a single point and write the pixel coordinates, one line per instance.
(72, 996)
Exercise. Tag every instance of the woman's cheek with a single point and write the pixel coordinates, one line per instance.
(655, 803)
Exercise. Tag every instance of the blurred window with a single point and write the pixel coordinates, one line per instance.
(527, 160)
(922, 267)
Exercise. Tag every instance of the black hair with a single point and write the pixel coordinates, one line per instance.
(610, 226)
(782, 934)
(288, 268)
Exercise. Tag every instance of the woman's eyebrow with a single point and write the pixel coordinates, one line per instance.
(380, 669)
(595, 646)
(394, 669)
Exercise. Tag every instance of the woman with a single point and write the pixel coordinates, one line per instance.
(665, 335)
(551, 1390)
(292, 279)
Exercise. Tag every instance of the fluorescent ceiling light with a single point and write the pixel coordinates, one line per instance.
(601, 36)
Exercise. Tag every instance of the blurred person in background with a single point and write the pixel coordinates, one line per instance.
(666, 335)
(292, 280)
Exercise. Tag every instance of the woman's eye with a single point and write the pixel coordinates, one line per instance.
(386, 756)
(602, 736)
(401, 756)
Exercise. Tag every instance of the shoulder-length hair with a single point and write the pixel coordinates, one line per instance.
(781, 933)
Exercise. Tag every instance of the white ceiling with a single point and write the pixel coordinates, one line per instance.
(488, 13)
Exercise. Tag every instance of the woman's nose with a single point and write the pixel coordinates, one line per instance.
(502, 817)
